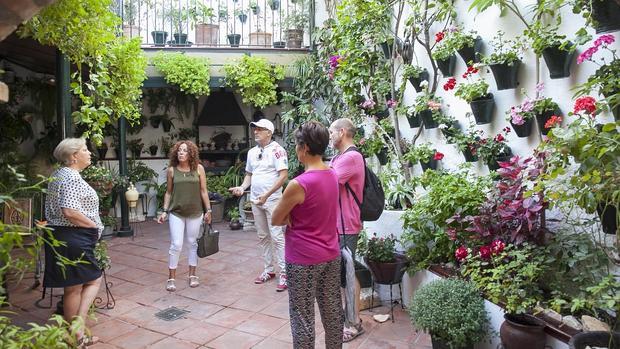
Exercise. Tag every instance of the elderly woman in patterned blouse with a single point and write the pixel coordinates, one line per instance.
(72, 211)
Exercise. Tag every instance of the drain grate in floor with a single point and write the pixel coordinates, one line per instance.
(171, 314)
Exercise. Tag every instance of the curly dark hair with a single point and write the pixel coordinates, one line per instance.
(192, 157)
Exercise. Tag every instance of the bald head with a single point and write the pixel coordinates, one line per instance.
(341, 133)
(346, 125)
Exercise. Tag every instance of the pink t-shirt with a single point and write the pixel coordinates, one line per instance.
(312, 237)
(349, 167)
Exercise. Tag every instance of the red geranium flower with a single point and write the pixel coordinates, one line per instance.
(499, 138)
(439, 36)
(587, 104)
(497, 246)
(554, 120)
(450, 84)
(485, 252)
(461, 253)
(438, 156)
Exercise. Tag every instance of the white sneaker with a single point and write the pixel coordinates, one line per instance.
(170, 286)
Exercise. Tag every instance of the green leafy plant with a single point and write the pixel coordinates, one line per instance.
(505, 51)
(459, 38)
(381, 249)
(443, 50)
(401, 195)
(190, 74)
(296, 20)
(421, 152)
(490, 148)
(543, 36)
(138, 171)
(101, 255)
(451, 310)
(255, 80)
(199, 13)
(371, 145)
(472, 89)
(412, 71)
(233, 214)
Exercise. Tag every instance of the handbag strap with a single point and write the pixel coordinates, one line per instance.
(206, 231)
(341, 216)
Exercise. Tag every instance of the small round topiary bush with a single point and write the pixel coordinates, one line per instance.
(452, 311)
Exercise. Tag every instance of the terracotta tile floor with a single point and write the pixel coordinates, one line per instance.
(226, 311)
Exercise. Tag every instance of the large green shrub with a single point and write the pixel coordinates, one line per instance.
(190, 74)
(255, 80)
(451, 310)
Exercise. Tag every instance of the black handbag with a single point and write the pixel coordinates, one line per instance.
(208, 242)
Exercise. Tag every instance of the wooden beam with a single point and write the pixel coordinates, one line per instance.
(15, 12)
(4, 92)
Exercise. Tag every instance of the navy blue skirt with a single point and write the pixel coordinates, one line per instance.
(79, 243)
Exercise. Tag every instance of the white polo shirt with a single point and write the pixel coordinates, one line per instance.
(264, 165)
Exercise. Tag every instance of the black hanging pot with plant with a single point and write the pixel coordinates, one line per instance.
(482, 108)
(416, 81)
(242, 18)
(388, 273)
(596, 339)
(447, 65)
(414, 120)
(382, 155)
(102, 150)
(153, 150)
(519, 331)
(524, 130)
(506, 74)
(234, 39)
(558, 61)
(430, 164)
(439, 343)
(608, 216)
(541, 120)
(469, 155)
(470, 53)
(451, 131)
(159, 37)
(427, 117)
(606, 15)
(274, 4)
(407, 53)
(503, 157)
(382, 114)
(387, 47)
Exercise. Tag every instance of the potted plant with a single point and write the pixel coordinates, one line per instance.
(255, 80)
(190, 74)
(443, 54)
(234, 215)
(602, 14)
(153, 147)
(102, 150)
(467, 44)
(555, 49)
(201, 16)
(476, 93)
(449, 127)
(295, 24)
(247, 210)
(428, 108)
(178, 17)
(130, 13)
(274, 4)
(493, 150)
(386, 265)
(253, 6)
(505, 60)
(108, 226)
(135, 146)
(452, 311)
(425, 155)
(415, 74)
(468, 143)
(371, 145)
(521, 116)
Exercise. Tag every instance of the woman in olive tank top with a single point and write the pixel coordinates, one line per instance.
(186, 205)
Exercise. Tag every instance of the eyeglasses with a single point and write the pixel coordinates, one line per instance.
(260, 156)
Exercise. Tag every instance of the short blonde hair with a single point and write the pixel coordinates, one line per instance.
(68, 147)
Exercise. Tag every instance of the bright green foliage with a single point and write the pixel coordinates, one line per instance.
(451, 310)
(381, 249)
(190, 74)
(57, 334)
(421, 152)
(255, 79)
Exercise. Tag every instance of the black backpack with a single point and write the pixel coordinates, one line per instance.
(374, 198)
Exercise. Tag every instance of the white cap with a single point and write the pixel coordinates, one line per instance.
(264, 123)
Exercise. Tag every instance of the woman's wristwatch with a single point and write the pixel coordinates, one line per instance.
(209, 210)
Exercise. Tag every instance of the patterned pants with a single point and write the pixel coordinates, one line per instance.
(305, 284)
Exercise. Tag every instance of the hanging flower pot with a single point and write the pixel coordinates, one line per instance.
(382, 114)
(451, 131)
(427, 118)
(469, 155)
(388, 48)
(470, 53)
(416, 81)
(524, 130)
(382, 155)
(407, 53)
(159, 37)
(414, 120)
(447, 65)
(504, 157)
(522, 331)
(558, 61)
(506, 75)
(482, 108)
(102, 151)
(430, 164)
(153, 150)
(606, 14)
(607, 213)
(541, 120)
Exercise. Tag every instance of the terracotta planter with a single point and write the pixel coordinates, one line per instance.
(294, 38)
(260, 39)
(415, 82)
(471, 53)
(482, 108)
(606, 14)
(506, 75)
(389, 273)
(558, 61)
(522, 331)
(427, 118)
(524, 130)
(207, 34)
(447, 65)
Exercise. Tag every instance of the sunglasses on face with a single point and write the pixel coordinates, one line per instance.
(260, 156)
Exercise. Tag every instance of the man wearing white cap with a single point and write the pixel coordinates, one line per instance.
(266, 170)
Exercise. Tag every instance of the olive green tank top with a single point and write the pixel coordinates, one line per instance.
(186, 201)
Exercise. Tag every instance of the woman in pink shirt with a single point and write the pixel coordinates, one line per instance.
(309, 208)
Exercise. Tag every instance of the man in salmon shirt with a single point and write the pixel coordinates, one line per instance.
(349, 167)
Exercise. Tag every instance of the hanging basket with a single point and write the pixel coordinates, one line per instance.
(482, 108)
(506, 75)
(447, 65)
(606, 15)
(558, 61)
(524, 130)
(469, 156)
(427, 118)
(541, 120)
(416, 81)
(414, 120)
(471, 53)
(429, 165)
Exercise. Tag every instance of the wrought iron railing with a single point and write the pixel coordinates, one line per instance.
(213, 23)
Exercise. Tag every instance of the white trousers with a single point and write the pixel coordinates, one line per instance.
(179, 226)
(271, 237)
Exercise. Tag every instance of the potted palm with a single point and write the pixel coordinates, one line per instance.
(505, 60)
(386, 265)
(452, 311)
